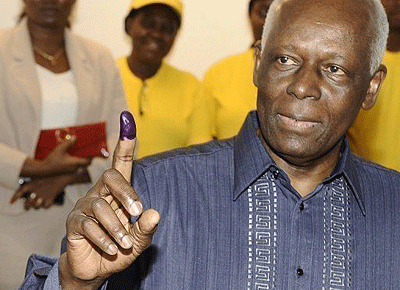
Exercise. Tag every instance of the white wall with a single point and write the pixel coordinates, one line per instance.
(212, 29)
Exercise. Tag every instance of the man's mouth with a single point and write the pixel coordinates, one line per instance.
(297, 123)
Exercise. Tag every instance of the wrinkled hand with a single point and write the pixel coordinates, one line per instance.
(100, 238)
(42, 192)
(56, 163)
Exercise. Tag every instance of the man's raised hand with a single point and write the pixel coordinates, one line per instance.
(100, 238)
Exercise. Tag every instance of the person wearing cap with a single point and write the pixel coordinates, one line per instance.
(228, 84)
(165, 100)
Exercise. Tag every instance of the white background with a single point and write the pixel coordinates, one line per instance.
(211, 30)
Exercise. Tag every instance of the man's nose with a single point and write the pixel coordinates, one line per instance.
(305, 83)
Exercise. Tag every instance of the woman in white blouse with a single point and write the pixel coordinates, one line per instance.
(49, 78)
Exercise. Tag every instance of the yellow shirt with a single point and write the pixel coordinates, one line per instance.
(376, 133)
(231, 94)
(167, 107)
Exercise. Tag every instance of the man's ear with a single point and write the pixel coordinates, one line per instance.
(374, 87)
(257, 60)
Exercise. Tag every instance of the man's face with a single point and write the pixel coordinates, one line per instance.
(312, 80)
(392, 8)
(153, 31)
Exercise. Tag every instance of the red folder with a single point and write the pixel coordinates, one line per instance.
(91, 141)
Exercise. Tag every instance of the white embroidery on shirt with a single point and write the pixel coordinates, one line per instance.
(262, 234)
(336, 273)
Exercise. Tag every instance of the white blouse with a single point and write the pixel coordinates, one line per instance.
(59, 98)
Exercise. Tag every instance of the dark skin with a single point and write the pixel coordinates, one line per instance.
(96, 250)
(50, 176)
(47, 21)
(152, 30)
(257, 17)
(392, 8)
(47, 189)
(311, 87)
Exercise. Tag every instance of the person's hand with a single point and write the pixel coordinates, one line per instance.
(56, 163)
(100, 238)
(42, 192)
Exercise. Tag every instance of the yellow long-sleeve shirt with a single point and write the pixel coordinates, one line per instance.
(168, 109)
(231, 94)
(375, 134)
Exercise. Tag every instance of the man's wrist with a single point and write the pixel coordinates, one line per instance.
(69, 281)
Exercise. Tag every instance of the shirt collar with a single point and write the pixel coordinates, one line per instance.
(347, 168)
(251, 160)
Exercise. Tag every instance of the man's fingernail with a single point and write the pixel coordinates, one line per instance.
(113, 249)
(127, 242)
(136, 208)
(127, 126)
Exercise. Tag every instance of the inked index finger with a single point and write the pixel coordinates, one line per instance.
(124, 151)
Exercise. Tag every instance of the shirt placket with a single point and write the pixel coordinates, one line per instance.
(302, 239)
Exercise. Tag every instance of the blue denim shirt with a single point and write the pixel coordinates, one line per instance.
(231, 220)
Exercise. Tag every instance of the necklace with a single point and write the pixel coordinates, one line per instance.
(51, 58)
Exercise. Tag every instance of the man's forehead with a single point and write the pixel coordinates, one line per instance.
(322, 12)
(324, 27)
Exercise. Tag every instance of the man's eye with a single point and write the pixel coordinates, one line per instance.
(285, 60)
(335, 70)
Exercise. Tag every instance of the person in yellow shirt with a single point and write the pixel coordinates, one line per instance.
(168, 108)
(375, 134)
(228, 84)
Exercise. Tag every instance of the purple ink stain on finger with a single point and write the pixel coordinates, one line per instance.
(127, 126)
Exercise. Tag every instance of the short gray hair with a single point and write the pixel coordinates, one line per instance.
(378, 41)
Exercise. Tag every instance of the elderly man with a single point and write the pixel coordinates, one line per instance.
(284, 204)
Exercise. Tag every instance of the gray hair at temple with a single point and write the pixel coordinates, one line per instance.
(378, 40)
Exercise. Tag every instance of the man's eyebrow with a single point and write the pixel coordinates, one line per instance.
(289, 47)
(332, 54)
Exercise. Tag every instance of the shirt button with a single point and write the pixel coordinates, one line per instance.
(299, 272)
(301, 206)
(276, 174)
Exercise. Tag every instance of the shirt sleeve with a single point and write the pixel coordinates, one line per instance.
(11, 159)
(41, 271)
(42, 274)
(11, 164)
